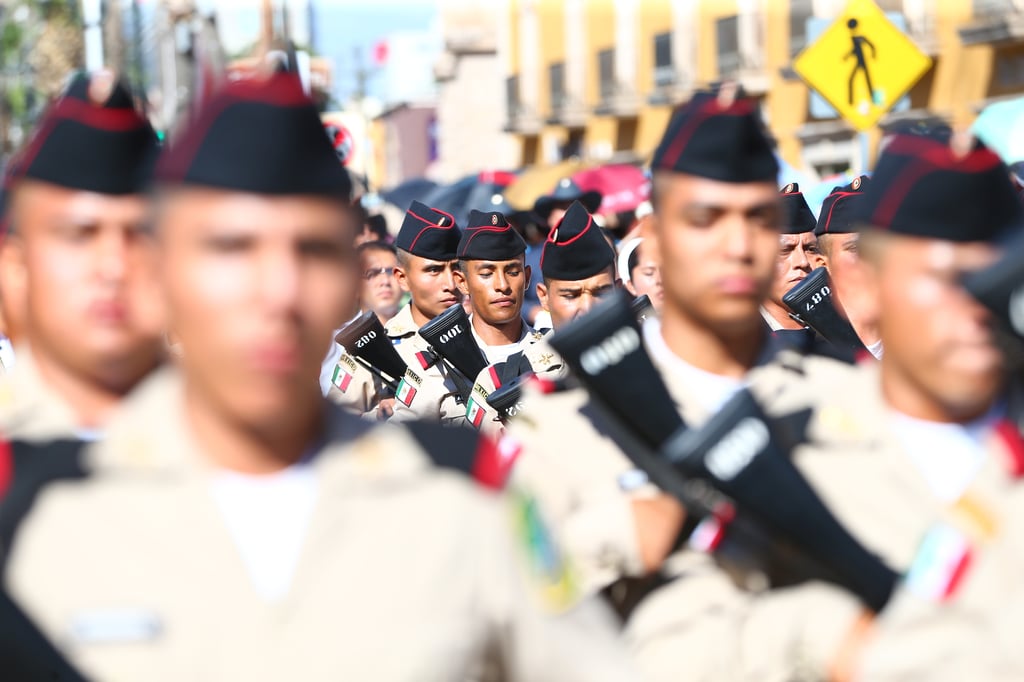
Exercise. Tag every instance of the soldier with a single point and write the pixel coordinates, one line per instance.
(493, 276)
(838, 242)
(236, 526)
(76, 264)
(715, 231)
(578, 270)
(798, 255)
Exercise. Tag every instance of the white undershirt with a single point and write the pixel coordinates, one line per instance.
(947, 455)
(711, 390)
(876, 349)
(496, 354)
(267, 517)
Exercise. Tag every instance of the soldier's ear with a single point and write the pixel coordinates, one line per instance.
(403, 283)
(542, 294)
(460, 281)
(529, 272)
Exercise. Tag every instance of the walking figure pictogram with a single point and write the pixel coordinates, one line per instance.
(857, 52)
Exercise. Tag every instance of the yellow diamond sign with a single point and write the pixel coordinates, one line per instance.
(862, 64)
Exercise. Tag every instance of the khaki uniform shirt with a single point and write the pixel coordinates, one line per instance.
(406, 571)
(357, 389)
(436, 397)
(29, 409)
(544, 361)
(702, 626)
(690, 628)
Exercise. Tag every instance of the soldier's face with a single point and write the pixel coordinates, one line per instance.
(940, 361)
(78, 277)
(568, 300)
(431, 283)
(255, 287)
(847, 272)
(495, 288)
(798, 255)
(380, 290)
(646, 279)
(717, 244)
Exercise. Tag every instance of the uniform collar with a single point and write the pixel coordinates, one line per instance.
(402, 324)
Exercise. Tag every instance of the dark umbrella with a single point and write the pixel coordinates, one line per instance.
(471, 192)
(409, 191)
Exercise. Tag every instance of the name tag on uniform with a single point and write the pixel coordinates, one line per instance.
(102, 626)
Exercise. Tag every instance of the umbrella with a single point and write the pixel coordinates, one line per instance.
(1001, 127)
(623, 187)
(471, 192)
(409, 191)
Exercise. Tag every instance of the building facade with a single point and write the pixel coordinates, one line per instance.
(597, 79)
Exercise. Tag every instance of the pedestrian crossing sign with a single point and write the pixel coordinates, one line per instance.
(862, 64)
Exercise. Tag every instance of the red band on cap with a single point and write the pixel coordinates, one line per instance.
(118, 120)
(6, 467)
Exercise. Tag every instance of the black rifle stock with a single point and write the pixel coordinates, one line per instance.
(1000, 288)
(812, 305)
(734, 454)
(365, 340)
(642, 307)
(507, 399)
(450, 336)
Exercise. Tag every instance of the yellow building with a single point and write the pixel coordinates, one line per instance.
(597, 79)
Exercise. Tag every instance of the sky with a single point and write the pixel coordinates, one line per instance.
(340, 27)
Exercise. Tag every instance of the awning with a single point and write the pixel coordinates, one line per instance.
(538, 181)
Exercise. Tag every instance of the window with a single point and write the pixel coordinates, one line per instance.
(799, 12)
(556, 83)
(573, 146)
(727, 32)
(625, 136)
(606, 72)
(664, 71)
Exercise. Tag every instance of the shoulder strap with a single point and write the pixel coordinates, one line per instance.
(25, 653)
(475, 455)
(25, 469)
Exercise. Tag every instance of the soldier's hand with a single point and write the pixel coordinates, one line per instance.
(658, 522)
(385, 409)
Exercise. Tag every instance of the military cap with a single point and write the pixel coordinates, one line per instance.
(836, 214)
(796, 213)
(259, 136)
(717, 139)
(429, 233)
(489, 236)
(924, 188)
(567, 191)
(104, 146)
(576, 249)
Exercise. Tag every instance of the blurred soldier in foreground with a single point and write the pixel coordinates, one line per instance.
(715, 232)
(839, 244)
(234, 525)
(76, 265)
(798, 255)
(578, 270)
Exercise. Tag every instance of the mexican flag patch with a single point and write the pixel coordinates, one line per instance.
(939, 566)
(341, 379)
(405, 393)
(474, 413)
